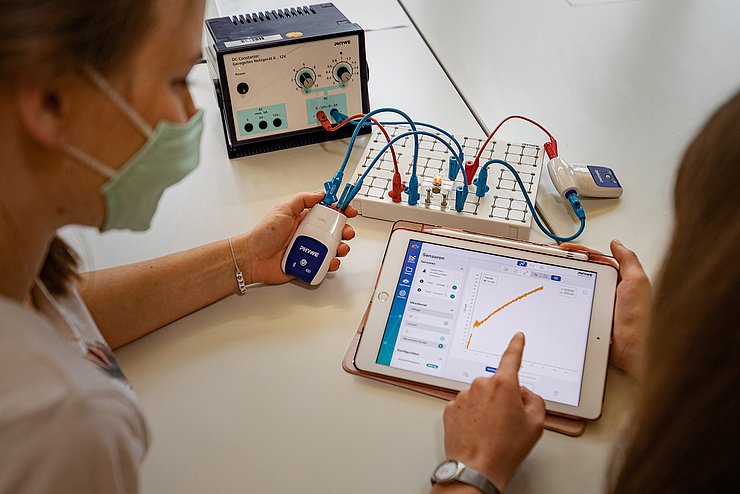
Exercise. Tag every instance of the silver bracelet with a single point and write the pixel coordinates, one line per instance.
(239, 276)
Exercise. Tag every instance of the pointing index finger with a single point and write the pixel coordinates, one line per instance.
(512, 359)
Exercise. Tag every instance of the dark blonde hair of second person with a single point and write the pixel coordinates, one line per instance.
(686, 434)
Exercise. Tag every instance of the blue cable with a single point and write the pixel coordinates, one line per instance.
(571, 195)
(393, 141)
(461, 157)
(340, 117)
(331, 187)
(351, 191)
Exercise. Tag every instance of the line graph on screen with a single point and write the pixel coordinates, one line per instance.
(518, 298)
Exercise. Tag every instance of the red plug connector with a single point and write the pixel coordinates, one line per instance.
(324, 120)
(551, 148)
(396, 188)
(397, 185)
(471, 166)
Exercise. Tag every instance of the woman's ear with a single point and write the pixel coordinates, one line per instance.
(43, 108)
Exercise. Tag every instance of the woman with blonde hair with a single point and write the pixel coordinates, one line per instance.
(97, 121)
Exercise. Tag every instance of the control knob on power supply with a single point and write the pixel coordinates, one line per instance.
(343, 73)
(306, 80)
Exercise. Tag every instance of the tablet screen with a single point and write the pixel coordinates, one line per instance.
(455, 310)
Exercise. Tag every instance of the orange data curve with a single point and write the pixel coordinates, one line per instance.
(517, 299)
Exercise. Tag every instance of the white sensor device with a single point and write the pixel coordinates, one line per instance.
(584, 180)
(314, 244)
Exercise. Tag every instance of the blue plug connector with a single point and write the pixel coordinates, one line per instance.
(413, 190)
(336, 115)
(481, 183)
(345, 199)
(575, 203)
(452, 172)
(461, 194)
(330, 189)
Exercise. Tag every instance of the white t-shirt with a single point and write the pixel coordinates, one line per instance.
(69, 421)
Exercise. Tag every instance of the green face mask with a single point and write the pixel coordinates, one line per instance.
(132, 193)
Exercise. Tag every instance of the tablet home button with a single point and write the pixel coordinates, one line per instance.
(383, 296)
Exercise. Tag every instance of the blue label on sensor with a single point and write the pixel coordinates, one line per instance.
(603, 176)
(305, 258)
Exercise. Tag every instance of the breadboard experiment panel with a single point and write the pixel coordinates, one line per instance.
(502, 211)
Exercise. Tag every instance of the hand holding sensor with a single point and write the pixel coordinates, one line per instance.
(314, 244)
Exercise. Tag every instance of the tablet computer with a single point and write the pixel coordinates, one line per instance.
(446, 306)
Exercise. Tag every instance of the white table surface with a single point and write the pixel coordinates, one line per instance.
(623, 83)
(248, 395)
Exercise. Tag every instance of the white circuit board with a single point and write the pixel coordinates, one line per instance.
(502, 211)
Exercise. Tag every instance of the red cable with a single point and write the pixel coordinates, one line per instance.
(333, 128)
(551, 148)
(397, 184)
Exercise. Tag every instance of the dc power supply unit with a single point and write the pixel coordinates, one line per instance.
(274, 70)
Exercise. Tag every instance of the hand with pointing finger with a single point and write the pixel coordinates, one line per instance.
(493, 425)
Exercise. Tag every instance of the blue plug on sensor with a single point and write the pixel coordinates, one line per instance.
(575, 203)
(330, 189)
(347, 195)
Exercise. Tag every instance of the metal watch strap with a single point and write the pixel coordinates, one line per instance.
(477, 480)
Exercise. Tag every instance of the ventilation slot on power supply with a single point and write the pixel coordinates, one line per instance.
(272, 15)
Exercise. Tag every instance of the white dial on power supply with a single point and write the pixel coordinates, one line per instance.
(343, 72)
(305, 78)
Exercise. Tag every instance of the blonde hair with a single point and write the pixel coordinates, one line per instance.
(47, 37)
(41, 39)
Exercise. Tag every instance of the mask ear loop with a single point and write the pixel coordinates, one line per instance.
(123, 106)
(88, 160)
(118, 100)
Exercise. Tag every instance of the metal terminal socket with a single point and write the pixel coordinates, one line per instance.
(437, 191)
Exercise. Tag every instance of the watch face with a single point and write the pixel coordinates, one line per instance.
(446, 471)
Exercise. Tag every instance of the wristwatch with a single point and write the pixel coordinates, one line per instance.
(455, 471)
